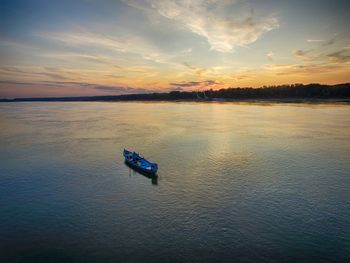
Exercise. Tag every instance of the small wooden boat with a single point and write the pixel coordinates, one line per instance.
(137, 162)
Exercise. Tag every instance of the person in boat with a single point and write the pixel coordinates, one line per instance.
(134, 157)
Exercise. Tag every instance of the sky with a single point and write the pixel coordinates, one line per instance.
(111, 47)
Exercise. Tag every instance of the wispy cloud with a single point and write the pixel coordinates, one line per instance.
(305, 69)
(196, 70)
(122, 89)
(304, 54)
(323, 42)
(320, 54)
(80, 56)
(82, 37)
(197, 84)
(330, 41)
(225, 24)
(270, 55)
(300, 53)
(52, 73)
(340, 56)
(85, 85)
(315, 40)
(314, 62)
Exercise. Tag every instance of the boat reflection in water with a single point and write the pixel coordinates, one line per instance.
(153, 177)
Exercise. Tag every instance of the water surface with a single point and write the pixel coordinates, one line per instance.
(237, 182)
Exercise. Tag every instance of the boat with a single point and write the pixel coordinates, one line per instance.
(139, 163)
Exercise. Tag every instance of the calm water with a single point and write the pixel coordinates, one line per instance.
(237, 183)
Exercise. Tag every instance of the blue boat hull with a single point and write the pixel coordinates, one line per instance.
(148, 173)
(139, 163)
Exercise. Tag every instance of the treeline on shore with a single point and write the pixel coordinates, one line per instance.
(294, 91)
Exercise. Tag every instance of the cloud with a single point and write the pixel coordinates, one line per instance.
(315, 61)
(324, 42)
(55, 76)
(310, 69)
(204, 83)
(197, 70)
(121, 89)
(77, 84)
(76, 56)
(176, 89)
(15, 82)
(34, 84)
(300, 53)
(225, 24)
(81, 37)
(242, 77)
(52, 83)
(114, 76)
(337, 56)
(329, 42)
(340, 56)
(270, 56)
(91, 43)
(304, 54)
(315, 40)
(186, 84)
(52, 73)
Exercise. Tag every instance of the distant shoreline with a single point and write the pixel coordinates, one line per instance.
(296, 93)
(284, 100)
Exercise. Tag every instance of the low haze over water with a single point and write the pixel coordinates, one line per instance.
(237, 182)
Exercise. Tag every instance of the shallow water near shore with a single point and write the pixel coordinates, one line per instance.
(237, 182)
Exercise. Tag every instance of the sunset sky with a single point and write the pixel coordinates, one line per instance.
(78, 48)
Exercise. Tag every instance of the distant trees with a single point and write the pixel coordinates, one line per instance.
(284, 91)
(297, 91)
